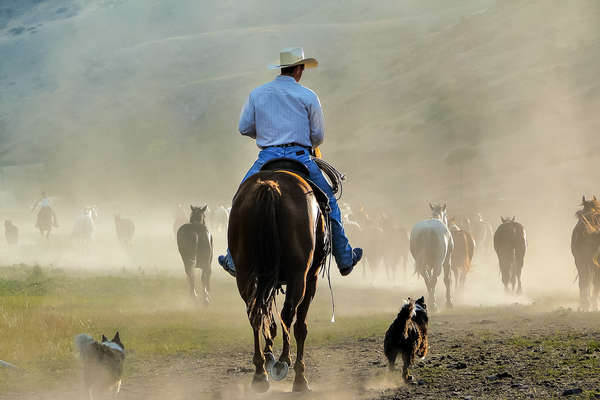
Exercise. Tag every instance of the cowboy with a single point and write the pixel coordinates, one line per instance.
(42, 203)
(286, 120)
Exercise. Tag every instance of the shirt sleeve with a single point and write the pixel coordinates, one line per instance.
(247, 125)
(317, 126)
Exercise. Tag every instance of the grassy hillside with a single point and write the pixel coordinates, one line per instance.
(143, 94)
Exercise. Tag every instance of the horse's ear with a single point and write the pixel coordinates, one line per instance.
(583, 199)
(116, 339)
(431, 206)
(204, 208)
(502, 219)
(104, 338)
(513, 218)
(420, 300)
(444, 207)
(192, 208)
(594, 198)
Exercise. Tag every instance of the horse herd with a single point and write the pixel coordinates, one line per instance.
(439, 244)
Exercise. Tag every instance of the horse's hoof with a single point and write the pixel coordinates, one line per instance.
(260, 383)
(269, 362)
(279, 371)
(300, 385)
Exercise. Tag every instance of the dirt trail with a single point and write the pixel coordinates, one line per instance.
(503, 352)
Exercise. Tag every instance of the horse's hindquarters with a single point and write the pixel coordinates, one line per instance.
(272, 235)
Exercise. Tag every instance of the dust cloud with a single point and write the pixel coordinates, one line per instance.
(132, 106)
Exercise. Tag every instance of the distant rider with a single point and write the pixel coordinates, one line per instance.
(43, 203)
(286, 120)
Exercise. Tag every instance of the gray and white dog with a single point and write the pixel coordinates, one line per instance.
(102, 363)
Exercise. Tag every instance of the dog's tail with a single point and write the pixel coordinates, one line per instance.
(83, 342)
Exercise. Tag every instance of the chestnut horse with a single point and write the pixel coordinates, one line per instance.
(462, 256)
(277, 235)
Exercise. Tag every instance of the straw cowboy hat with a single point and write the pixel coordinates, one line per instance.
(294, 56)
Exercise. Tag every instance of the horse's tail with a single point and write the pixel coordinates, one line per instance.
(268, 249)
(187, 242)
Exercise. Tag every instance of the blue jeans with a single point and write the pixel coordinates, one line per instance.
(340, 247)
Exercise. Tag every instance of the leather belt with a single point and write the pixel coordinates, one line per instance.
(293, 145)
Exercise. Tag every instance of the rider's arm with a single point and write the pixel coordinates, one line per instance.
(247, 125)
(317, 126)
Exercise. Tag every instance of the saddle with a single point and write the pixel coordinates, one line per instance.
(289, 164)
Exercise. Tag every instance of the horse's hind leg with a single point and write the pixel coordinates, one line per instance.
(585, 279)
(260, 382)
(447, 280)
(191, 278)
(205, 278)
(268, 350)
(596, 289)
(295, 292)
(300, 333)
(518, 274)
(430, 282)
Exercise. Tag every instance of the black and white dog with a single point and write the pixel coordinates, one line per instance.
(102, 363)
(407, 335)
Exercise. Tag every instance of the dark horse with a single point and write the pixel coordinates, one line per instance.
(510, 244)
(277, 234)
(585, 245)
(195, 245)
(45, 221)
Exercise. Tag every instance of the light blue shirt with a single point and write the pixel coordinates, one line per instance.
(283, 112)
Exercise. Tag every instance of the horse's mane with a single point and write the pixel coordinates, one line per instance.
(589, 215)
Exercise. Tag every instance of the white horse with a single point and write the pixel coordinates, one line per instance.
(84, 229)
(431, 246)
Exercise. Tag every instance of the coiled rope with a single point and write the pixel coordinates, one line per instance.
(335, 177)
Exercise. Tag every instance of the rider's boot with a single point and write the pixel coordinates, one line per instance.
(345, 256)
(226, 262)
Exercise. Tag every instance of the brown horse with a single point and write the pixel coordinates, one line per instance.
(510, 243)
(277, 235)
(585, 246)
(462, 256)
(45, 221)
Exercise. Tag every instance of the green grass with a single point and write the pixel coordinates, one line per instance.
(41, 310)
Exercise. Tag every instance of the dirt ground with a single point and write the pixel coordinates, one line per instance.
(501, 352)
